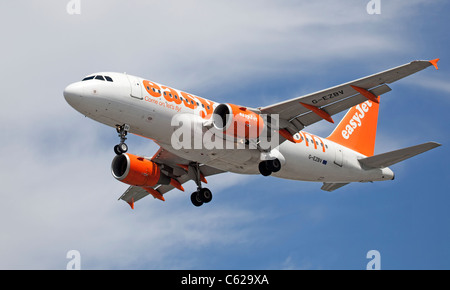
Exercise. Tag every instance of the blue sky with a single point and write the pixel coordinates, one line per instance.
(57, 191)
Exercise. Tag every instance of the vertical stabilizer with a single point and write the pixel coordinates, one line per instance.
(358, 129)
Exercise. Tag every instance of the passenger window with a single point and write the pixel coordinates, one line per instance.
(99, 78)
(109, 79)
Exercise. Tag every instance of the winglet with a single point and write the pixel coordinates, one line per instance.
(434, 62)
(131, 203)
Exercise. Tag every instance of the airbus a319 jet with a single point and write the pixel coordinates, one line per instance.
(199, 137)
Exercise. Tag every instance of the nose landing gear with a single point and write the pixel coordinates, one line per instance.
(122, 147)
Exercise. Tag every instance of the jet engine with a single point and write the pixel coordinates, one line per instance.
(137, 171)
(237, 121)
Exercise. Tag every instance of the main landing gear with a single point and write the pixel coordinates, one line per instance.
(203, 194)
(122, 147)
(267, 167)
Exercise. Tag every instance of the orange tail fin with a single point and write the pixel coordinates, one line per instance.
(358, 129)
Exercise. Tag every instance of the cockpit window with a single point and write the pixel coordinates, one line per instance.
(88, 78)
(98, 77)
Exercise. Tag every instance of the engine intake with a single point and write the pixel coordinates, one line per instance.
(137, 171)
(237, 121)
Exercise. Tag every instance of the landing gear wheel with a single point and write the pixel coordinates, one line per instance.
(123, 147)
(195, 198)
(264, 169)
(120, 148)
(117, 150)
(274, 165)
(202, 195)
(267, 167)
(205, 195)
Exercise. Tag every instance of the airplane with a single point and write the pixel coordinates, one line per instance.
(199, 137)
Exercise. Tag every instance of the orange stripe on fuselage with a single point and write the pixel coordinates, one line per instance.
(298, 138)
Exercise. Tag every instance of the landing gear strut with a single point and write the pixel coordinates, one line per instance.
(122, 147)
(203, 194)
(267, 167)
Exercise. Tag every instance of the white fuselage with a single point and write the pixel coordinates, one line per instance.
(149, 112)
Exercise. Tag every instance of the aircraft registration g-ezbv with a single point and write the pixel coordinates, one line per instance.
(199, 138)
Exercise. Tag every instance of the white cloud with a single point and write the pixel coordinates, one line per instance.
(290, 263)
(438, 84)
(55, 202)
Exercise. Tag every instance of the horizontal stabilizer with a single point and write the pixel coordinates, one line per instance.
(328, 186)
(393, 157)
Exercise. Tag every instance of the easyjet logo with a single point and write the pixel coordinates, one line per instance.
(357, 119)
(248, 116)
(172, 99)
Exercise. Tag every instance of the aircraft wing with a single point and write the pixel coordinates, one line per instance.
(297, 113)
(176, 168)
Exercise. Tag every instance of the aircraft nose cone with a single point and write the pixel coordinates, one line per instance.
(72, 93)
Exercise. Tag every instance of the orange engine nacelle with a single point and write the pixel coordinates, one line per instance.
(237, 121)
(137, 171)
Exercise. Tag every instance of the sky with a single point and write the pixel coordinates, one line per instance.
(57, 191)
